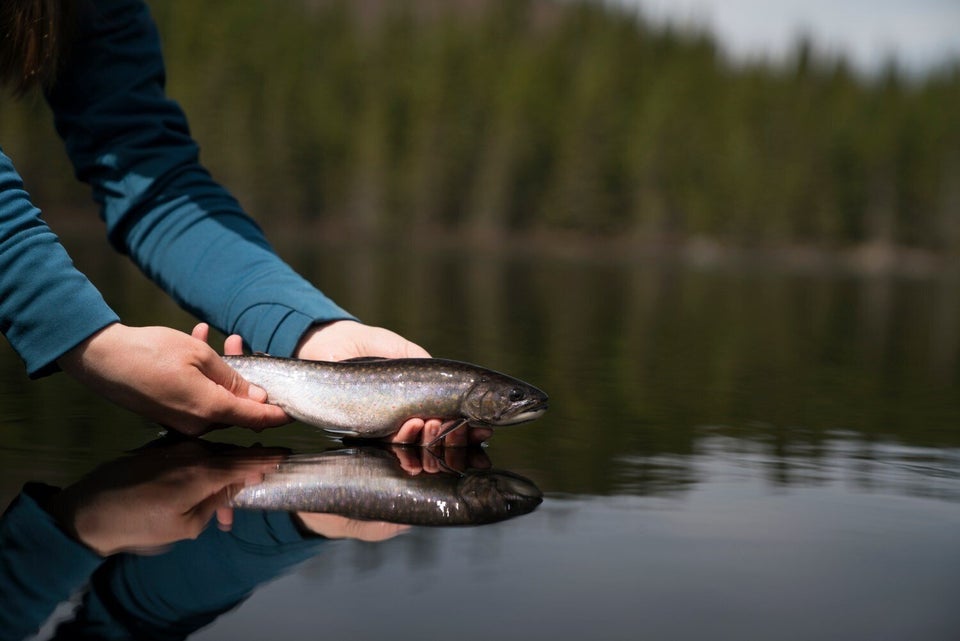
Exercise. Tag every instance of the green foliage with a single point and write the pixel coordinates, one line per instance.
(524, 115)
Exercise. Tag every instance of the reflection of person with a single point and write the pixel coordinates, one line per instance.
(138, 535)
(132, 145)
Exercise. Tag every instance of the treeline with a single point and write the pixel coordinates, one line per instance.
(514, 116)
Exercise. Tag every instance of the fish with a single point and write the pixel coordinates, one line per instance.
(373, 397)
(368, 483)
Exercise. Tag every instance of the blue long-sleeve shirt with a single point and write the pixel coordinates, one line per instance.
(163, 596)
(133, 146)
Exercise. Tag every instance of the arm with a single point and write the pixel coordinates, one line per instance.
(40, 565)
(47, 307)
(54, 317)
(133, 146)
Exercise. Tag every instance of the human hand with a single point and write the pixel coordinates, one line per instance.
(417, 460)
(334, 526)
(144, 502)
(169, 377)
(340, 340)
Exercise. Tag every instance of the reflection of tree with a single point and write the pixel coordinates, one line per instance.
(639, 359)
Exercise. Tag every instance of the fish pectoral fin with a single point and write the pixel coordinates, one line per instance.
(448, 427)
(341, 431)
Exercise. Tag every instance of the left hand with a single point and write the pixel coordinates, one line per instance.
(340, 340)
(158, 496)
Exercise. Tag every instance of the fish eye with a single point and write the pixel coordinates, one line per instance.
(516, 394)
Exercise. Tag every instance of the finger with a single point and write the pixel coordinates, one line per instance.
(233, 345)
(457, 438)
(225, 518)
(431, 463)
(409, 432)
(415, 351)
(378, 341)
(409, 458)
(223, 407)
(431, 430)
(226, 377)
(204, 511)
(201, 331)
(334, 526)
(251, 414)
(375, 531)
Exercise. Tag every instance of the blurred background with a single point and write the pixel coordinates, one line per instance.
(723, 236)
(816, 130)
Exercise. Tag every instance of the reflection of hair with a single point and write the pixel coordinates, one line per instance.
(32, 38)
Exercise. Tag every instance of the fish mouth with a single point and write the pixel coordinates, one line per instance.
(533, 412)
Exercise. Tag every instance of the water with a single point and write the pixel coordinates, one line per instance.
(730, 454)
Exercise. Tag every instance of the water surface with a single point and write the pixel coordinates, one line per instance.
(730, 454)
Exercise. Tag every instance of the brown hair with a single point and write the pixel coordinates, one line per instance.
(33, 34)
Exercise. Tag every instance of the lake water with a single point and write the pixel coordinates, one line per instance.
(736, 453)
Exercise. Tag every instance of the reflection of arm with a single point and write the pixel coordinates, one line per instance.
(40, 566)
(186, 232)
(172, 594)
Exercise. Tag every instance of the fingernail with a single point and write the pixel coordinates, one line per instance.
(257, 394)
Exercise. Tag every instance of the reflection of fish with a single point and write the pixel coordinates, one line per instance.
(371, 398)
(368, 483)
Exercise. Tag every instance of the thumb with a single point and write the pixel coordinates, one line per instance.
(228, 378)
(216, 503)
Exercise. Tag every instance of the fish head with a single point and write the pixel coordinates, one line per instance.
(496, 495)
(498, 399)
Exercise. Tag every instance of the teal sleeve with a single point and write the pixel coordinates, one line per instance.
(46, 305)
(132, 145)
(171, 595)
(40, 566)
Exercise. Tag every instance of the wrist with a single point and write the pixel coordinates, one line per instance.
(64, 507)
(317, 336)
(91, 350)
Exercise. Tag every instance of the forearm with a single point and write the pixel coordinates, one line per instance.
(47, 307)
(132, 144)
(40, 565)
(197, 244)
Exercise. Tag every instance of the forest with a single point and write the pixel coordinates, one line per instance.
(487, 120)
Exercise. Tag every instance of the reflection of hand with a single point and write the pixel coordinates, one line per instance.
(341, 340)
(170, 378)
(334, 526)
(415, 460)
(143, 502)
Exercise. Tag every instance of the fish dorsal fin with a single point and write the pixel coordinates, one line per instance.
(260, 354)
(365, 359)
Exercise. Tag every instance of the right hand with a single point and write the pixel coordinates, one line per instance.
(334, 526)
(169, 377)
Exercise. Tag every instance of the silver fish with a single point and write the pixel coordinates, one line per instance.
(371, 398)
(367, 482)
